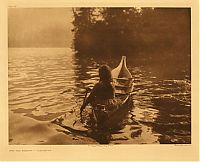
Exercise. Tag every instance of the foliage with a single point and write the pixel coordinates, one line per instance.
(156, 33)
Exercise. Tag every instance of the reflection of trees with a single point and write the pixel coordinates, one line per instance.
(85, 69)
(159, 33)
(174, 121)
(173, 100)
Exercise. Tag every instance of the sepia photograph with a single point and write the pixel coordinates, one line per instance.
(99, 75)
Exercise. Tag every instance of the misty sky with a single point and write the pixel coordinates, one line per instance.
(39, 27)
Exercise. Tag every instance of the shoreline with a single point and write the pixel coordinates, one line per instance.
(40, 132)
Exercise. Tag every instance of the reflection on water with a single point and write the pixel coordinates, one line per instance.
(46, 83)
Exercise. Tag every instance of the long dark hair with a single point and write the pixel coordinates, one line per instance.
(105, 74)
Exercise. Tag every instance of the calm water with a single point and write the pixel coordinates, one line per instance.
(161, 111)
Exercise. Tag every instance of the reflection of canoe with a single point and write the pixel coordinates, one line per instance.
(123, 82)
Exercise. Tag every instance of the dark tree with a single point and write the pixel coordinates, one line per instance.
(150, 33)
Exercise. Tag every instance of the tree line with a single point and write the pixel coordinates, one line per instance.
(153, 33)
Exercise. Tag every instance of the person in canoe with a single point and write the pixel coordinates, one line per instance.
(103, 93)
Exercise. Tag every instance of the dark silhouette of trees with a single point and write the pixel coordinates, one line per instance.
(150, 33)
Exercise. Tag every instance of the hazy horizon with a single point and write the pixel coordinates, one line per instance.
(39, 27)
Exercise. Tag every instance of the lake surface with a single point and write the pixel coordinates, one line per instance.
(162, 103)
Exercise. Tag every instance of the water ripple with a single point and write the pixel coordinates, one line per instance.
(46, 83)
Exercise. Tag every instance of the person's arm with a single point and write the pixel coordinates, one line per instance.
(89, 98)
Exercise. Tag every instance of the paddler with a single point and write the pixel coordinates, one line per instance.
(103, 92)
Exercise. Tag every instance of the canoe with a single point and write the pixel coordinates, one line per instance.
(101, 124)
(123, 82)
(122, 78)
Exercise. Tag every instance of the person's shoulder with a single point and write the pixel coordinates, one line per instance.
(97, 85)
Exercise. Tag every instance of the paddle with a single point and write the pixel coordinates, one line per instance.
(87, 90)
(84, 100)
(129, 93)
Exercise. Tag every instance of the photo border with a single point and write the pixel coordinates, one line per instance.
(175, 152)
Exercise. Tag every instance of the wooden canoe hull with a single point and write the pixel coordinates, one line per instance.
(101, 124)
(123, 82)
(113, 119)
